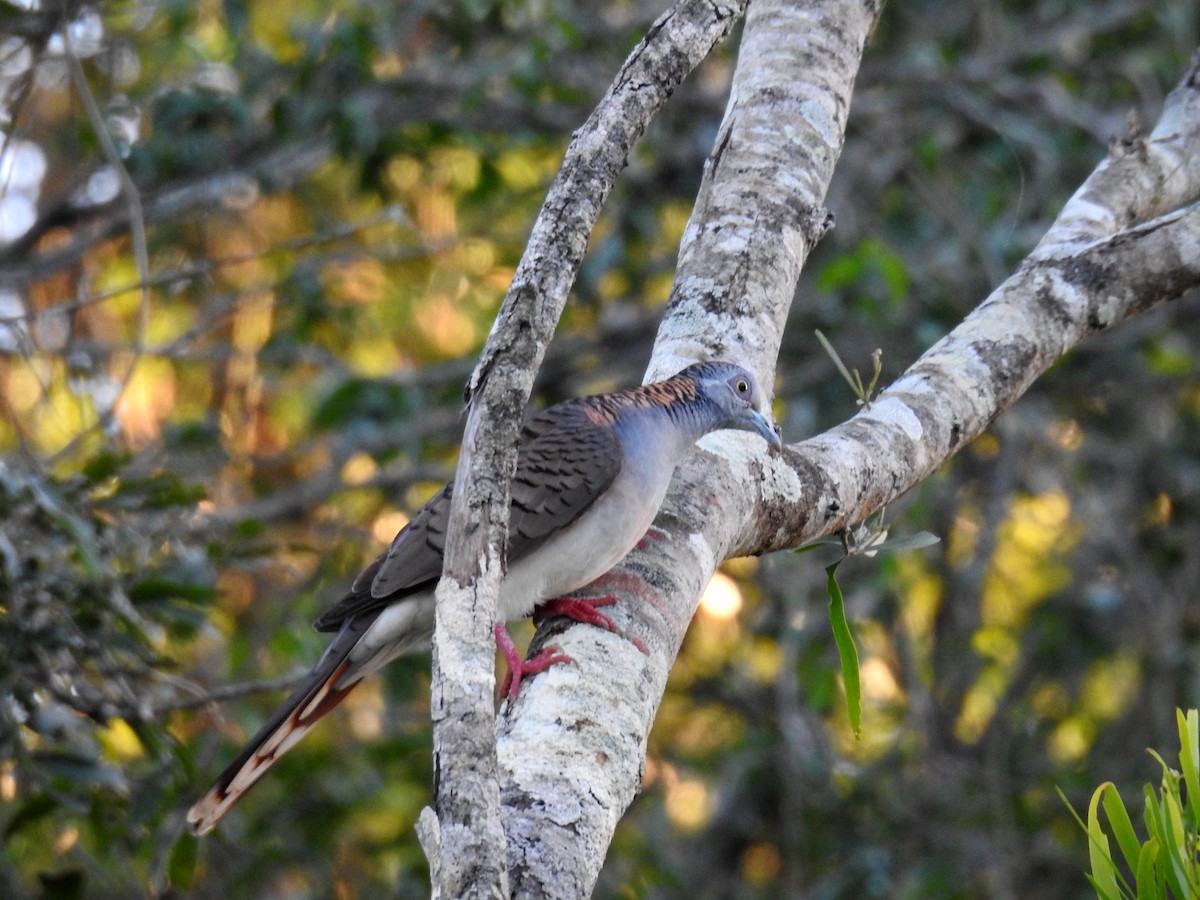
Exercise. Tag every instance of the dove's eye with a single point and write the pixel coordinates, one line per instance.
(742, 386)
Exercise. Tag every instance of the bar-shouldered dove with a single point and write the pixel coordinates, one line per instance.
(591, 475)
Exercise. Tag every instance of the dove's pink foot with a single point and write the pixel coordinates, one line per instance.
(583, 609)
(518, 668)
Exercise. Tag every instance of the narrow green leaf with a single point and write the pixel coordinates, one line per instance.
(917, 541)
(837, 361)
(1189, 763)
(1147, 883)
(1161, 828)
(847, 652)
(1175, 819)
(819, 544)
(1104, 872)
(1122, 826)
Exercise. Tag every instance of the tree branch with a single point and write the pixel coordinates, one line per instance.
(572, 747)
(467, 844)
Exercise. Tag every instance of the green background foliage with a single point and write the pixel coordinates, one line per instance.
(335, 196)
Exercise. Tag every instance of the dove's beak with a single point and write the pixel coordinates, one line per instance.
(757, 422)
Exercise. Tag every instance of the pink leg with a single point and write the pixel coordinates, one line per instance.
(519, 668)
(583, 609)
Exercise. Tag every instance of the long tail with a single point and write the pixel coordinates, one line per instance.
(331, 679)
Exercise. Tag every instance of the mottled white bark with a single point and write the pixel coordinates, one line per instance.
(465, 838)
(572, 747)
(1128, 240)
(570, 750)
(760, 207)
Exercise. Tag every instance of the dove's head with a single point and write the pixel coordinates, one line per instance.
(736, 399)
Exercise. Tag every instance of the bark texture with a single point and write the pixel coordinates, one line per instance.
(466, 841)
(572, 748)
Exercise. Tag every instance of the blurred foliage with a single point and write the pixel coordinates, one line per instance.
(335, 196)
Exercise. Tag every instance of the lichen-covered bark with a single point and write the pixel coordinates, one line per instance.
(760, 208)
(465, 842)
(572, 747)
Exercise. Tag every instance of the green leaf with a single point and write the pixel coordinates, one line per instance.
(1147, 880)
(847, 652)
(32, 811)
(1122, 825)
(1189, 762)
(149, 589)
(918, 541)
(104, 465)
(818, 544)
(1104, 873)
(837, 361)
(181, 863)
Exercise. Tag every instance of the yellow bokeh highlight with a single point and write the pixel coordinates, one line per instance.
(23, 385)
(359, 469)
(657, 288)
(986, 446)
(612, 285)
(1071, 739)
(762, 660)
(403, 174)
(61, 415)
(116, 275)
(1160, 511)
(999, 644)
(761, 864)
(520, 169)
(920, 599)
(8, 781)
(252, 322)
(365, 709)
(66, 839)
(373, 357)
(722, 599)
(978, 707)
(689, 804)
(119, 741)
(458, 168)
(1027, 567)
(436, 214)
(878, 682)
(1068, 435)
(387, 525)
(1050, 701)
(672, 219)
(148, 400)
(474, 256)
(1110, 686)
(360, 280)
(167, 323)
(442, 321)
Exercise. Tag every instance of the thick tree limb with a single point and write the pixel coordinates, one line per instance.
(572, 749)
(954, 391)
(466, 846)
(588, 723)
